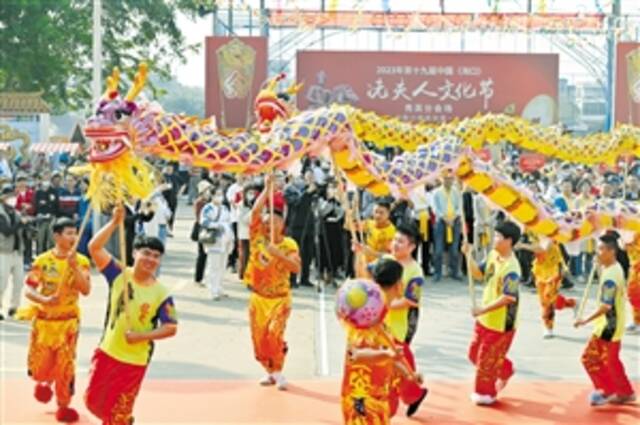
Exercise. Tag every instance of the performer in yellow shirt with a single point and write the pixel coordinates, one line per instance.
(547, 272)
(369, 369)
(497, 317)
(601, 357)
(54, 283)
(268, 270)
(379, 232)
(131, 327)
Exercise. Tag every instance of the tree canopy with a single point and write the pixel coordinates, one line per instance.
(46, 45)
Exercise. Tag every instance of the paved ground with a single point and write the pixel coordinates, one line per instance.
(209, 365)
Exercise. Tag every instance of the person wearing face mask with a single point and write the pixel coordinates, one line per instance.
(11, 224)
(46, 205)
(215, 216)
(204, 196)
(249, 195)
(24, 205)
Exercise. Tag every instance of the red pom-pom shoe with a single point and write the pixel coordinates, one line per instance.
(43, 393)
(67, 415)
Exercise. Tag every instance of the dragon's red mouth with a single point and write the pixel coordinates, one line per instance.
(268, 110)
(107, 143)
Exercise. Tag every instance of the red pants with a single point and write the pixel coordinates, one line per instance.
(113, 388)
(601, 359)
(488, 352)
(402, 388)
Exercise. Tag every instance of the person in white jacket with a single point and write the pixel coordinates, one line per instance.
(158, 225)
(216, 215)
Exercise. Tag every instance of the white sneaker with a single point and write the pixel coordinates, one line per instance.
(281, 381)
(267, 381)
(633, 329)
(482, 400)
(548, 334)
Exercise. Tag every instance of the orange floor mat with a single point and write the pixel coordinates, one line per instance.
(317, 402)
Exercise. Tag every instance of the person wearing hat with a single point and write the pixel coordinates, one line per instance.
(601, 356)
(11, 264)
(273, 258)
(497, 316)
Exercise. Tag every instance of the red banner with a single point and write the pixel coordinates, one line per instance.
(235, 69)
(432, 87)
(628, 83)
(530, 162)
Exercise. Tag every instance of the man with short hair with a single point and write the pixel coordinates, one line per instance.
(131, 326)
(601, 357)
(273, 257)
(448, 231)
(11, 264)
(379, 232)
(54, 284)
(497, 316)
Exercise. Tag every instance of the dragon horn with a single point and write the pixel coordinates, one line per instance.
(294, 88)
(112, 84)
(138, 82)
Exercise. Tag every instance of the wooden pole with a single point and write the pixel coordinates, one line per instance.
(122, 241)
(272, 230)
(585, 294)
(465, 230)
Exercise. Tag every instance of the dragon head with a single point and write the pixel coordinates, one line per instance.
(108, 129)
(271, 105)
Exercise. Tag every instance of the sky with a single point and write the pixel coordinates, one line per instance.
(192, 72)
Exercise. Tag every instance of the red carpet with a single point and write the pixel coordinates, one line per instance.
(317, 402)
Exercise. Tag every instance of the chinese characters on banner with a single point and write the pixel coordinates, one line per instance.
(432, 87)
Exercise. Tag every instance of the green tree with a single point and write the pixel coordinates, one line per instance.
(47, 44)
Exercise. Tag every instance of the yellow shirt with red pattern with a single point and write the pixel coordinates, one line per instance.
(363, 378)
(610, 326)
(268, 277)
(378, 238)
(148, 307)
(502, 277)
(547, 264)
(50, 275)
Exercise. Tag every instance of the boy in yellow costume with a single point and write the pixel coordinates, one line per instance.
(497, 317)
(373, 367)
(56, 279)
(268, 270)
(601, 356)
(547, 272)
(379, 232)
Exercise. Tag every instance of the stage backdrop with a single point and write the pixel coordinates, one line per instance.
(235, 69)
(429, 86)
(628, 83)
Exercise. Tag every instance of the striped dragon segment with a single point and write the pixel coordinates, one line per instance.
(121, 127)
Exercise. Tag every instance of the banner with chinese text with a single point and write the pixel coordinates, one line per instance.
(235, 69)
(432, 87)
(628, 83)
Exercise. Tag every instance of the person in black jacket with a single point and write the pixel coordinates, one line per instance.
(11, 224)
(171, 178)
(47, 206)
(330, 235)
(300, 197)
